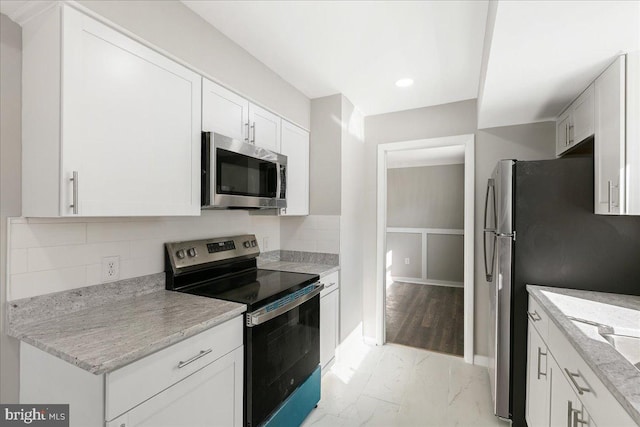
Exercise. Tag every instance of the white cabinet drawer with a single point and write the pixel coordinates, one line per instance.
(142, 379)
(603, 407)
(538, 318)
(331, 283)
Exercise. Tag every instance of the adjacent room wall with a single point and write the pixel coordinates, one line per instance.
(172, 26)
(426, 197)
(10, 189)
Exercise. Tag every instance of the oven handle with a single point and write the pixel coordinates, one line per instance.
(262, 315)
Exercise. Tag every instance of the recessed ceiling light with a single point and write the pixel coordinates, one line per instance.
(404, 82)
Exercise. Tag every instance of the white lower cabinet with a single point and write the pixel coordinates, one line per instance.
(211, 396)
(329, 319)
(561, 388)
(196, 382)
(537, 407)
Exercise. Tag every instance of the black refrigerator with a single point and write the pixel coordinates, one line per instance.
(540, 229)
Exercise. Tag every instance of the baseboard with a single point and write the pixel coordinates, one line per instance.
(428, 282)
(481, 360)
(369, 340)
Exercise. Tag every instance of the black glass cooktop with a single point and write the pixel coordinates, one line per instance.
(254, 288)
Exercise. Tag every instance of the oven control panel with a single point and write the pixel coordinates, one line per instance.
(196, 252)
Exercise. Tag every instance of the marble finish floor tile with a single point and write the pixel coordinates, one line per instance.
(401, 386)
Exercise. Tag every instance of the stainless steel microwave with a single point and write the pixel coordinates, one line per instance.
(237, 174)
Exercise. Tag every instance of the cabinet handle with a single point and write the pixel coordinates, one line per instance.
(202, 353)
(74, 204)
(573, 377)
(534, 316)
(246, 138)
(253, 126)
(610, 193)
(570, 134)
(540, 353)
(331, 285)
(566, 135)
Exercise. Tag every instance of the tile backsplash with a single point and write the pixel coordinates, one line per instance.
(313, 233)
(55, 254)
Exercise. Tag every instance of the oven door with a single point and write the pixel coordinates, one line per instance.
(238, 174)
(281, 353)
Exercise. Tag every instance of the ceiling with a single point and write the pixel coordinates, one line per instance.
(535, 57)
(544, 53)
(426, 157)
(361, 48)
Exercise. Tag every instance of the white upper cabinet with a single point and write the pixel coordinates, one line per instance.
(295, 145)
(110, 126)
(224, 112)
(617, 141)
(576, 123)
(264, 128)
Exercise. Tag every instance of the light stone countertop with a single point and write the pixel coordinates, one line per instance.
(104, 338)
(618, 374)
(300, 267)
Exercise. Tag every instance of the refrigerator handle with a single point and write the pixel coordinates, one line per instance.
(490, 188)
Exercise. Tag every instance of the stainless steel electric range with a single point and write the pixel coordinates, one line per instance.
(282, 327)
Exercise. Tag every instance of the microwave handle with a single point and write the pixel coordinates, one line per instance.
(205, 181)
(281, 189)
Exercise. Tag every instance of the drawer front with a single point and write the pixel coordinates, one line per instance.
(603, 407)
(142, 379)
(538, 317)
(331, 283)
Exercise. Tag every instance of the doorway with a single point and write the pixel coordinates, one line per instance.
(422, 268)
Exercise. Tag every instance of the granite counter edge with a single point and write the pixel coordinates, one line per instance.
(550, 308)
(134, 355)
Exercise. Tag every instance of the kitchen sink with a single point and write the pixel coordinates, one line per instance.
(627, 343)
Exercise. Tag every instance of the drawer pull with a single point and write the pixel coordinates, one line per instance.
(540, 353)
(534, 316)
(331, 285)
(573, 377)
(202, 353)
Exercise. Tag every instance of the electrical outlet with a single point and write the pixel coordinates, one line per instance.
(407, 261)
(110, 268)
(265, 244)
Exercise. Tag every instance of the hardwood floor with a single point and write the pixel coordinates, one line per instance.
(426, 316)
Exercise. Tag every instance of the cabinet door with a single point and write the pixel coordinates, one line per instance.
(295, 145)
(609, 143)
(562, 133)
(583, 117)
(224, 112)
(265, 128)
(328, 327)
(211, 396)
(537, 406)
(564, 404)
(131, 125)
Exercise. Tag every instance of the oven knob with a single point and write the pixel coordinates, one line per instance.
(254, 243)
(246, 244)
(180, 254)
(192, 252)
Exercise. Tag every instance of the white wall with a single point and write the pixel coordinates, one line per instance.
(51, 255)
(524, 142)
(172, 26)
(312, 233)
(10, 179)
(325, 155)
(351, 226)
(457, 118)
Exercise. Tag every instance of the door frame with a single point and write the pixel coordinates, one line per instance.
(468, 142)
